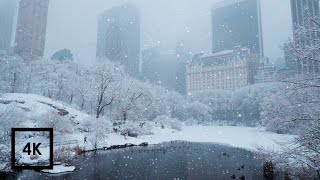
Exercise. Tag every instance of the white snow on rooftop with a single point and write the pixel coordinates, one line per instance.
(225, 52)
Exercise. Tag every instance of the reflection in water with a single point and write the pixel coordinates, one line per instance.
(172, 160)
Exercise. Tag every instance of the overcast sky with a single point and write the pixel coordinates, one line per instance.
(72, 24)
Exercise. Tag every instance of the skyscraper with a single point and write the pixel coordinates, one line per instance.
(237, 23)
(6, 23)
(159, 67)
(306, 35)
(119, 36)
(31, 28)
(301, 11)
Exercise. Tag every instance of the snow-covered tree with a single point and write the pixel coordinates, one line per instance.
(105, 76)
(129, 96)
(62, 55)
(10, 116)
(97, 130)
(176, 105)
(11, 73)
(299, 106)
(199, 112)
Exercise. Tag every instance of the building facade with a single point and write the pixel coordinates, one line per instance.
(266, 72)
(31, 29)
(306, 36)
(237, 23)
(227, 70)
(119, 37)
(7, 11)
(301, 11)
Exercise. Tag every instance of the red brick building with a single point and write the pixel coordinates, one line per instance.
(31, 28)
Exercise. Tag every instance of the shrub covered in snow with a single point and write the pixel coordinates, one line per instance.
(4, 156)
(135, 129)
(199, 112)
(167, 122)
(65, 154)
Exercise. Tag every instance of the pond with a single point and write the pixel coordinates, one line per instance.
(171, 160)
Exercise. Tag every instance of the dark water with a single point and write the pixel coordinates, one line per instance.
(173, 160)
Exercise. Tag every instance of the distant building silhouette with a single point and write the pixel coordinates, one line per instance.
(7, 9)
(150, 58)
(237, 23)
(183, 57)
(31, 29)
(159, 67)
(119, 36)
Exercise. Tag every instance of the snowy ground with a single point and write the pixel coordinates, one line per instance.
(248, 138)
(243, 137)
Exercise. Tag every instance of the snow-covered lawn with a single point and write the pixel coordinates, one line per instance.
(243, 137)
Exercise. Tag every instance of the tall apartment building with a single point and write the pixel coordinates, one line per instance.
(237, 23)
(31, 29)
(119, 36)
(228, 70)
(306, 35)
(7, 11)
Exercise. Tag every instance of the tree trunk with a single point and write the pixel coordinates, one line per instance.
(71, 99)
(14, 82)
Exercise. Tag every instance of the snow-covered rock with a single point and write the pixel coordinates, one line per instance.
(59, 169)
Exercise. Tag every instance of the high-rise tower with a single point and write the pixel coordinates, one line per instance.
(6, 23)
(237, 23)
(119, 37)
(31, 28)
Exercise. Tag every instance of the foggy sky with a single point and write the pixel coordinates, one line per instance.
(72, 24)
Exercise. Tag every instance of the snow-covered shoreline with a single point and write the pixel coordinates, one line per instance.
(35, 107)
(249, 138)
(238, 136)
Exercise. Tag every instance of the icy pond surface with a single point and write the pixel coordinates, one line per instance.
(171, 160)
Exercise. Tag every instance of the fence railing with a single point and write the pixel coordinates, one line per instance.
(61, 143)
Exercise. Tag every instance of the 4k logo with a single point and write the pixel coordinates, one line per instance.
(33, 149)
(28, 150)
